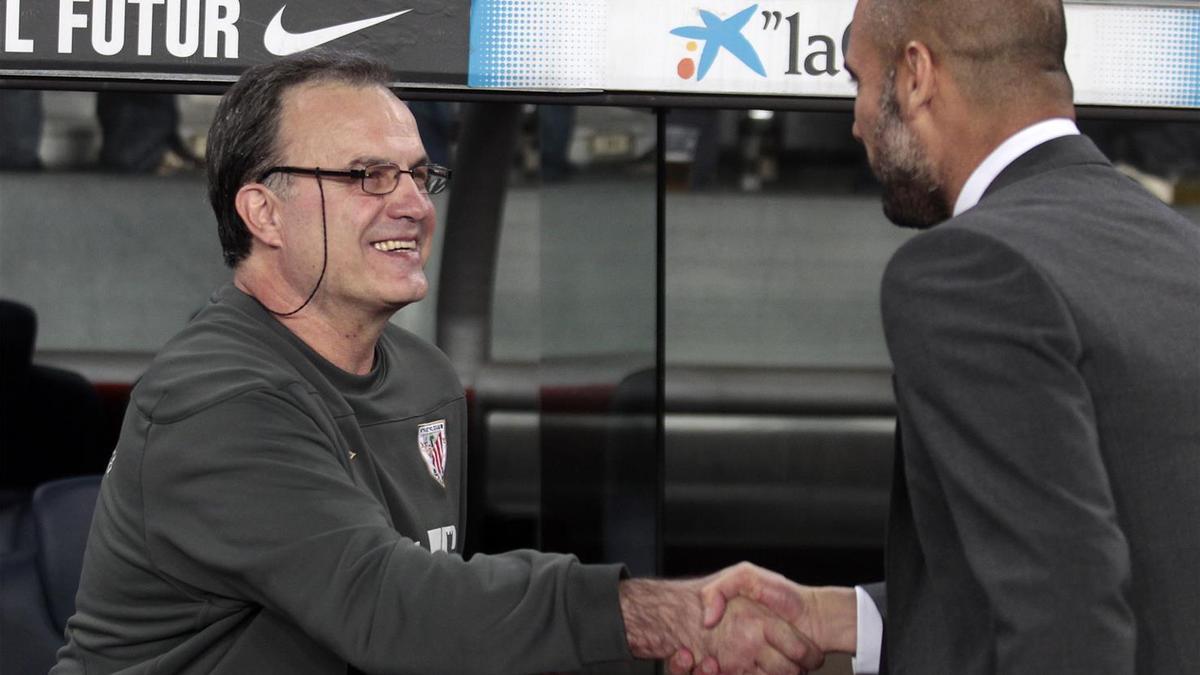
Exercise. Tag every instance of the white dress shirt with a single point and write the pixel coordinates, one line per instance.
(870, 623)
(1006, 153)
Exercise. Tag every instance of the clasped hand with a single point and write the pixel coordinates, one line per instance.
(755, 621)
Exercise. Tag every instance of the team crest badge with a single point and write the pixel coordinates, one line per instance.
(431, 439)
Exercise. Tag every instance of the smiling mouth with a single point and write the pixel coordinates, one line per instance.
(390, 245)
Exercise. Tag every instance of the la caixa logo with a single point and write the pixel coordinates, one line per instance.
(714, 37)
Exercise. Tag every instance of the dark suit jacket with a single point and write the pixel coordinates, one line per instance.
(1046, 507)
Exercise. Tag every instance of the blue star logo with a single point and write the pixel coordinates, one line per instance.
(725, 34)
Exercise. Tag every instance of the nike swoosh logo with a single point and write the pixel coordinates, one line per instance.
(280, 42)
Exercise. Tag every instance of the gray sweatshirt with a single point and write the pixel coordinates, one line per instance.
(267, 512)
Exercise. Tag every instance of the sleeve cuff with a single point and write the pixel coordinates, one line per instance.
(870, 635)
(594, 610)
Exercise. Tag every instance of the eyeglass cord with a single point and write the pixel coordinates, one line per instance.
(324, 253)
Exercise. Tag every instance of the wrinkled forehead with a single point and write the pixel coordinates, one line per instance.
(326, 120)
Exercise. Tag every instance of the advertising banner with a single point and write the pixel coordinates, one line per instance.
(1143, 54)
(1138, 56)
(715, 46)
(425, 41)
(1125, 54)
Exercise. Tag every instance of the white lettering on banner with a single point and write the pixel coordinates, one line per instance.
(145, 24)
(68, 21)
(13, 42)
(442, 539)
(108, 45)
(190, 42)
(182, 26)
(220, 17)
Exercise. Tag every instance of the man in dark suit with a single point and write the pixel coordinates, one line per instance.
(1046, 344)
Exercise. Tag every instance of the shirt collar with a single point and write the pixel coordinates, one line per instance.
(1018, 144)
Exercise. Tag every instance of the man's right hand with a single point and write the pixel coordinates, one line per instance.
(752, 634)
(826, 614)
(664, 618)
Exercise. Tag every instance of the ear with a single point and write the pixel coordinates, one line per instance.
(259, 208)
(916, 79)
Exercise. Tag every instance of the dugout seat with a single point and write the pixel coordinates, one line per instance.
(50, 419)
(41, 578)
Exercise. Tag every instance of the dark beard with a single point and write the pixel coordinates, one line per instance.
(912, 196)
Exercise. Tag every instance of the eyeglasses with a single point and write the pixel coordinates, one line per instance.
(378, 179)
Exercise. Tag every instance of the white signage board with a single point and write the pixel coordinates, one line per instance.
(1117, 55)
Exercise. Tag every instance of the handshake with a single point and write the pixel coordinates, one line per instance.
(743, 619)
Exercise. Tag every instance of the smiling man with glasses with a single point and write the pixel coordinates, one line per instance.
(288, 492)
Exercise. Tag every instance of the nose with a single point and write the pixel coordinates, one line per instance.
(410, 179)
(408, 200)
(855, 132)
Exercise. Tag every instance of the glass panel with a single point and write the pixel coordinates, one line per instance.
(113, 244)
(1164, 157)
(779, 412)
(574, 311)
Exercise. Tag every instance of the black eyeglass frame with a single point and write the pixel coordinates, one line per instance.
(435, 171)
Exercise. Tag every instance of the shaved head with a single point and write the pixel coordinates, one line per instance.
(996, 49)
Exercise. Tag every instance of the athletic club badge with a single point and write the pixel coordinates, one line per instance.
(431, 439)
